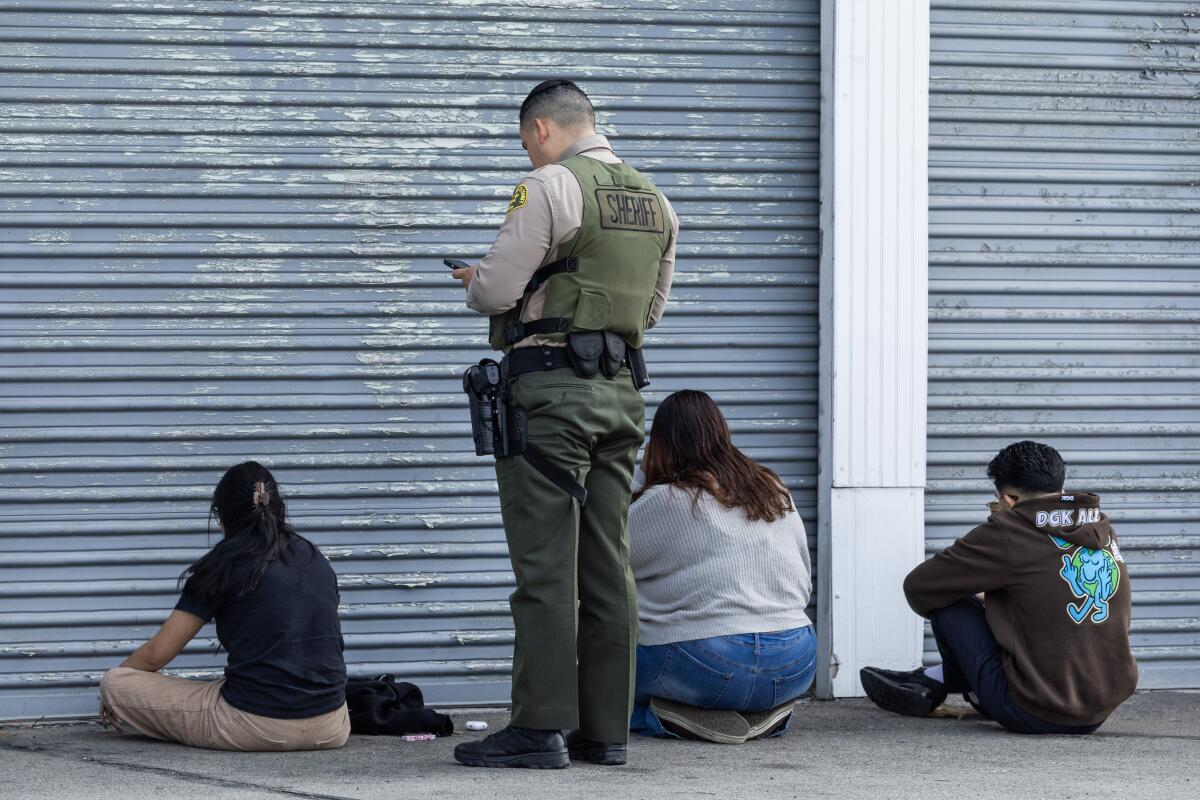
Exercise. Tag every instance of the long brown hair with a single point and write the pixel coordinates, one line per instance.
(691, 446)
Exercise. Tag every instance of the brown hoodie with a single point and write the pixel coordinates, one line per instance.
(1057, 601)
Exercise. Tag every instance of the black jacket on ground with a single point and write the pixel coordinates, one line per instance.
(382, 706)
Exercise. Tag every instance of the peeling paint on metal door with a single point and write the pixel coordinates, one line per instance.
(223, 232)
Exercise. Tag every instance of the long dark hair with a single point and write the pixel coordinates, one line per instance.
(691, 446)
(252, 514)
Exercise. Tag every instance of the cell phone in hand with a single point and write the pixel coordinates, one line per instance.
(454, 263)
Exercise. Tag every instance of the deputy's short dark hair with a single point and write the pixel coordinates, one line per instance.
(1030, 467)
(559, 100)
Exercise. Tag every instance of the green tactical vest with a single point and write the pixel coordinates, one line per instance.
(605, 280)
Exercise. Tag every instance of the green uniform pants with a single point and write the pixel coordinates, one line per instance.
(575, 607)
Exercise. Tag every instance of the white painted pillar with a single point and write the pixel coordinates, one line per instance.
(874, 274)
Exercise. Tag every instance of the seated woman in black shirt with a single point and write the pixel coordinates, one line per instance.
(274, 598)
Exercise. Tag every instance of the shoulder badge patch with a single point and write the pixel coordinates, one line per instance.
(520, 195)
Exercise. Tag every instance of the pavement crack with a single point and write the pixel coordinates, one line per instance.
(190, 777)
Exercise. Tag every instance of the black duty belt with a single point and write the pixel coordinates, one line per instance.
(538, 359)
(535, 359)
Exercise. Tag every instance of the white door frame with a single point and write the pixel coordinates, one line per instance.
(874, 322)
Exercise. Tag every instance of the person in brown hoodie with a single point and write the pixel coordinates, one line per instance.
(1030, 610)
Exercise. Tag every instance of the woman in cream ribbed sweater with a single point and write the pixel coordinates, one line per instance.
(723, 579)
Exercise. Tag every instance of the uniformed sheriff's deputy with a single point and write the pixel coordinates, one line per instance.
(588, 246)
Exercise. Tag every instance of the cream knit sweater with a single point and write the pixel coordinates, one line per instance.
(705, 570)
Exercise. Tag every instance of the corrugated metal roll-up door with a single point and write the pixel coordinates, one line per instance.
(222, 235)
(1064, 250)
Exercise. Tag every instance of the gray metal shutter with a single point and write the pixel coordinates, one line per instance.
(223, 231)
(1064, 245)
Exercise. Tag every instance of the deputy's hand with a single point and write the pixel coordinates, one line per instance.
(465, 275)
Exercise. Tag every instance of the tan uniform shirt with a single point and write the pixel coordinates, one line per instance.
(533, 234)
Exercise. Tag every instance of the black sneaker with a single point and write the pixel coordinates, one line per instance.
(909, 693)
(583, 749)
(516, 747)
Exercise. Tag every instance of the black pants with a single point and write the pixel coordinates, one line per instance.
(973, 662)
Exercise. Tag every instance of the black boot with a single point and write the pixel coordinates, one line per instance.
(516, 747)
(607, 753)
(909, 693)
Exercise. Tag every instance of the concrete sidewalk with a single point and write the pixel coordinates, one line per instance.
(846, 748)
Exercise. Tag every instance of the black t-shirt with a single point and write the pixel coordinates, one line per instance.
(283, 638)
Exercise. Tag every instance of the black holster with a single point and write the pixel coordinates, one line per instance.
(497, 428)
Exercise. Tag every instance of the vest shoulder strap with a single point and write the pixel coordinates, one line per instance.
(569, 264)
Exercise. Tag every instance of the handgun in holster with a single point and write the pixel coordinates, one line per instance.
(497, 429)
(481, 382)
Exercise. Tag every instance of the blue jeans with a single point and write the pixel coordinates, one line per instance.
(972, 661)
(743, 672)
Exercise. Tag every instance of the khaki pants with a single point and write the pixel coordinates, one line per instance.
(194, 713)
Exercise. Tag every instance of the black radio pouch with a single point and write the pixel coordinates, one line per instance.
(614, 354)
(596, 351)
(584, 350)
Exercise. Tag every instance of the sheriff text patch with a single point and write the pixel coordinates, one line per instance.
(627, 210)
